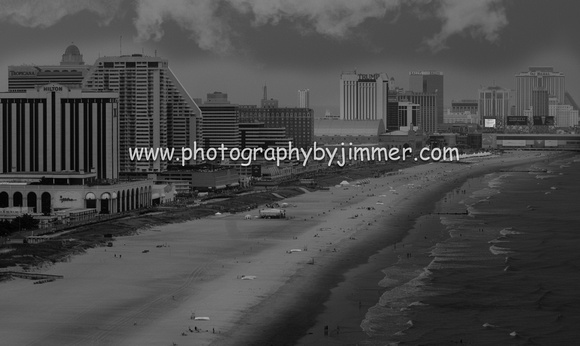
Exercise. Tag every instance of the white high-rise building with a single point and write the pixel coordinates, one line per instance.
(55, 129)
(155, 110)
(304, 98)
(363, 96)
(538, 78)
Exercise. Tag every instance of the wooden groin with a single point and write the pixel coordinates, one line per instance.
(31, 276)
(523, 171)
(458, 213)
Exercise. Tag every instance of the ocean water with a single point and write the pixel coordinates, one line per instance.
(508, 273)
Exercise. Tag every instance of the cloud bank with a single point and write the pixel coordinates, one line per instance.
(210, 23)
(480, 18)
(46, 13)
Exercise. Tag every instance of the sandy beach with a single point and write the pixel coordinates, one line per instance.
(245, 279)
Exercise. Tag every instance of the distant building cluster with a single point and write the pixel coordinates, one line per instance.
(539, 104)
(67, 131)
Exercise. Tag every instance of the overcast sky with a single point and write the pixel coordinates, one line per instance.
(236, 46)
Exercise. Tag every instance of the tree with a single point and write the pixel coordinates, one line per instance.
(6, 228)
(25, 222)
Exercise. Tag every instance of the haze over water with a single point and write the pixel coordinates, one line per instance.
(506, 274)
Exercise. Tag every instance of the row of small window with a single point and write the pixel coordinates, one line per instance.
(129, 64)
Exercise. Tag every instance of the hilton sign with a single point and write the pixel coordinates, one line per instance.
(52, 88)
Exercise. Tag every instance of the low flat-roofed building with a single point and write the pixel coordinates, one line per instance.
(335, 132)
(441, 140)
(532, 141)
(461, 128)
(163, 193)
(54, 194)
(257, 135)
(409, 138)
(203, 177)
(456, 117)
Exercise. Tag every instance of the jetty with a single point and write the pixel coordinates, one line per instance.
(31, 276)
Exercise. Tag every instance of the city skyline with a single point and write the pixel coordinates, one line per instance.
(291, 46)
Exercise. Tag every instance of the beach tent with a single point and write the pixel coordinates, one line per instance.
(248, 217)
(248, 277)
(344, 183)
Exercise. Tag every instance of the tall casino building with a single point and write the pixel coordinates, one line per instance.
(53, 128)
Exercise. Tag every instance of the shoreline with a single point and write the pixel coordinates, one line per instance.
(337, 305)
(149, 298)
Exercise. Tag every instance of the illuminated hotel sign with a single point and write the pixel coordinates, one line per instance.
(369, 76)
(489, 122)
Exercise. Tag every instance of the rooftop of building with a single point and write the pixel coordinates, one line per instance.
(130, 57)
(72, 50)
(203, 167)
(493, 87)
(402, 132)
(463, 101)
(69, 90)
(426, 73)
(411, 93)
(55, 178)
(570, 101)
(333, 127)
(540, 70)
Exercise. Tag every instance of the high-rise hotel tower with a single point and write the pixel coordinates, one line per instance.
(364, 96)
(537, 78)
(493, 106)
(54, 129)
(155, 110)
(429, 82)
